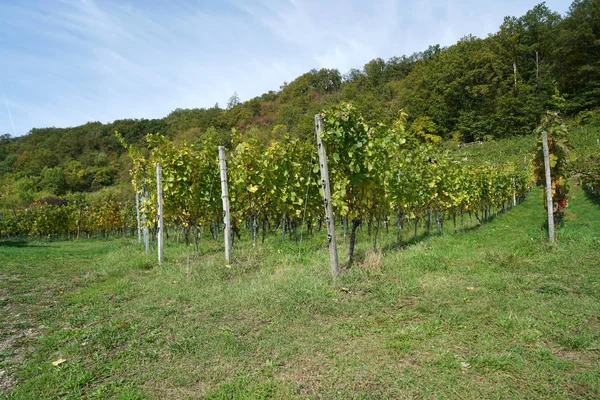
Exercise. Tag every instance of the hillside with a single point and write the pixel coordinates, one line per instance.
(478, 89)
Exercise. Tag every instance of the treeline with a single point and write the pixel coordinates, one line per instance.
(478, 89)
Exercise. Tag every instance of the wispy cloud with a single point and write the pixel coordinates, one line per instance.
(10, 118)
(71, 61)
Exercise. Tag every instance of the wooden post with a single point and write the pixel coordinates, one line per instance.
(125, 219)
(225, 198)
(146, 230)
(137, 211)
(160, 211)
(329, 218)
(550, 203)
(78, 219)
(254, 231)
(514, 182)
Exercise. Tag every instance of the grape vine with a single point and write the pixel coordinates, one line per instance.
(378, 174)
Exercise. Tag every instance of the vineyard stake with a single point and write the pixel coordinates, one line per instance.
(333, 256)
(137, 211)
(514, 182)
(549, 202)
(146, 230)
(78, 220)
(159, 197)
(225, 198)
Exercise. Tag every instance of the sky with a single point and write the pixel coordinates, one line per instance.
(66, 62)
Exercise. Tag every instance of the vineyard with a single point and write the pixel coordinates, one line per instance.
(590, 175)
(585, 138)
(472, 297)
(588, 167)
(49, 218)
(451, 316)
(425, 226)
(381, 176)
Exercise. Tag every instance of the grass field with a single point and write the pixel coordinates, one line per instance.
(491, 313)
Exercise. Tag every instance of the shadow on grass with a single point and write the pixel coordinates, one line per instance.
(409, 239)
(474, 223)
(19, 243)
(559, 222)
(593, 198)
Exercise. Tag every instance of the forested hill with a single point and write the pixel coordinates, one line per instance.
(488, 88)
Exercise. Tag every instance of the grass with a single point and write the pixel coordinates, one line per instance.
(492, 313)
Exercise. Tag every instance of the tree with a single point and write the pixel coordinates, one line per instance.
(233, 101)
(577, 57)
(53, 180)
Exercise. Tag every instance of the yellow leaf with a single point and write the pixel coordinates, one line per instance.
(58, 362)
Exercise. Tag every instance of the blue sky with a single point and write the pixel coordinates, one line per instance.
(66, 62)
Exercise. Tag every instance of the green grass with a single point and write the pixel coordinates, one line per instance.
(492, 313)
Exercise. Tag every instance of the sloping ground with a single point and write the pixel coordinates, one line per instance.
(492, 313)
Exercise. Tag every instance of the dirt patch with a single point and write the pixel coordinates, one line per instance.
(373, 261)
(7, 381)
(13, 346)
(14, 333)
(362, 357)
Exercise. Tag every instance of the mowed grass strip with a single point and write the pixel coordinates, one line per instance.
(492, 313)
